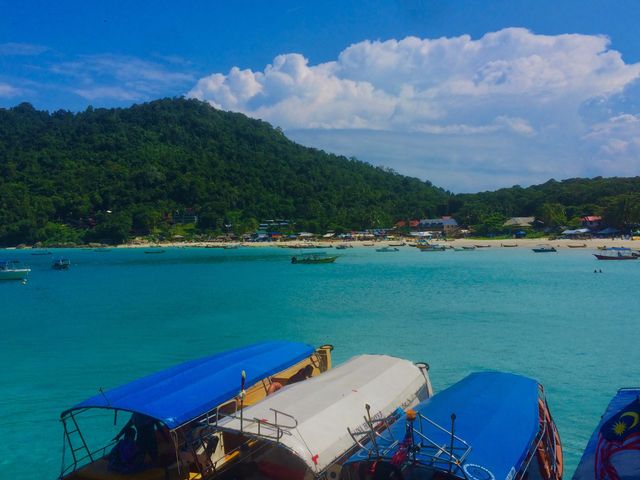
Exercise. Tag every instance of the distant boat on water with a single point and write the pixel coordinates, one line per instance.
(542, 248)
(9, 270)
(616, 253)
(61, 264)
(312, 258)
(387, 249)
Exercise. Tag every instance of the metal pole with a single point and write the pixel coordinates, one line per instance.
(453, 424)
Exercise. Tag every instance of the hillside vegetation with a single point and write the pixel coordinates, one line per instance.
(109, 173)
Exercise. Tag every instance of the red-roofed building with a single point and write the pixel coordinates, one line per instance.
(591, 221)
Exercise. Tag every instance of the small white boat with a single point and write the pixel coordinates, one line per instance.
(9, 271)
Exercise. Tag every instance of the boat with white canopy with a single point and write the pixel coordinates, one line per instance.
(306, 430)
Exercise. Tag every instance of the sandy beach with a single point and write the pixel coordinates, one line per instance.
(526, 243)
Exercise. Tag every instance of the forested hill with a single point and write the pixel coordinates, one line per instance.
(114, 172)
(556, 203)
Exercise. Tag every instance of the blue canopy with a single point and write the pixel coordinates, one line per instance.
(496, 415)
(186, 391)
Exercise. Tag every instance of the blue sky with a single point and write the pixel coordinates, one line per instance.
(471, 95)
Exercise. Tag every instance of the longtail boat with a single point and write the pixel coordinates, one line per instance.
(488, 426)
(306, 431)
(173, 411)
(543, 248)
(613, 451)
(313, 258)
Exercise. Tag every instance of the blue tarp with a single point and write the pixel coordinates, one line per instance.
(613, 450)
(496, 414)
(186, 391)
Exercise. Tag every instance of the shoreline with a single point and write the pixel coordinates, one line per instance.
(526, 243)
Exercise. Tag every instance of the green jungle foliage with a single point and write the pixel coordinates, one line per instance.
(104, 175)
(108, 174)
(555, 204)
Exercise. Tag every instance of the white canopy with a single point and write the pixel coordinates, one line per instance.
(326, 405)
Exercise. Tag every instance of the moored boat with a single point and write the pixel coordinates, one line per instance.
(543, 248)
(613, 451)
(61, 264)
(313, 258)
(508, 245)
(488, 426)
(308, 430)
(616, 253)
(387, 249)
(431, 247)
(581, 245)
(9, 270)
(173, 409)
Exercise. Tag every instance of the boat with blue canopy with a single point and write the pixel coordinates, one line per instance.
(613, 451)
(171, 411)
(488, 426)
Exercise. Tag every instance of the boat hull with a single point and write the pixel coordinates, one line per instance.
(611, 257)
(18, 274)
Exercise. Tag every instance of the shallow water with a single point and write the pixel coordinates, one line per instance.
(117, 315)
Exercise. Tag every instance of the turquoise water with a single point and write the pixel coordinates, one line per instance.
(120, 314)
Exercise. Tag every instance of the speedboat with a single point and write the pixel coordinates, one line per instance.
(61, 264)
(616, 253)
(387, 249)
(306, 431)
(613, 451)
(312, 258)
(179, 405)
(543, 248)
(431, 247)
(9, 270)
(488, 426)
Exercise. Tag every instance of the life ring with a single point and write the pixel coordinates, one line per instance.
(551, 435)
(274, 387)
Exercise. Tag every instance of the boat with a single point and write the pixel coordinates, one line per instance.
(397, 244)
(343, 246)
(308, 430)
(9, 270)
(387, 249)
(582, 245)
(543, 248)
(313, 258)
(468, 247)
(431, 247)
(508, 245)
(616, 253)
(155, 250)
(180, 403)
(482, 246)
(44, 252)
(61, 264)
(488, 426)
(613, 451)
(368, 244)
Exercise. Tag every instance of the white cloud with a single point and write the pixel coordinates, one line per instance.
(121, 78)
(9, 91)
(522, 106)
(21, 49)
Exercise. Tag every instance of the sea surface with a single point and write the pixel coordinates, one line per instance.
(119, 314)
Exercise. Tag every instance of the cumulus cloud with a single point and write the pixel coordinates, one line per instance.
(118, 77)
(522, 106)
